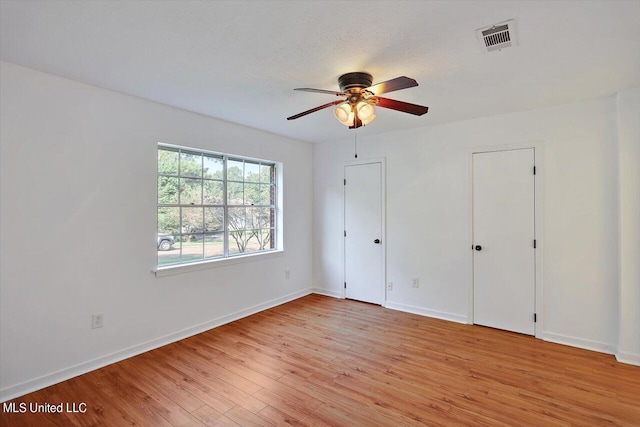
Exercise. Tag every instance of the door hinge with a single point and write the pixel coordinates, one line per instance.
(345, 233)
(345, 285)
(535, 243)
(535, 317)
(534, 170)
(345, 181)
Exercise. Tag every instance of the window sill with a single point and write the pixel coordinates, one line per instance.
(224, 262)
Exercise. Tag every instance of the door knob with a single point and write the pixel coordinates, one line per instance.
(478, 248)
(377, 241)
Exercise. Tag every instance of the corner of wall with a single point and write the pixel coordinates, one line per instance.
(628, 145)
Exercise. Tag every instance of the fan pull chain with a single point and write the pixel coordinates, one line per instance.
(355, 142)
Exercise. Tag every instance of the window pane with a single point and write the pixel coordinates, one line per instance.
(260, 218)
(264, 239)
(267, 174)
(169, 221)
(190, 191)
(235, 170)
(190, 164)
(252, 194)
(192, 247)
(213, 219)
(237, 218)
(213, 167)
(253, 218)
(168, 161)
(265, 194)
(212, 192)
(192, 220)
(238, 241)
(171, 255)
(167, 190)
(251, 172)
(235, 193)
(253, 244)
(213, 245)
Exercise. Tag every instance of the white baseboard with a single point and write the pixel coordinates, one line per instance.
(17, 390)
(629, 358)
(327, 292)
(426, 312)
(579, 342)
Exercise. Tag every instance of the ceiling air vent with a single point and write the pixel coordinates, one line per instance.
(498, 36)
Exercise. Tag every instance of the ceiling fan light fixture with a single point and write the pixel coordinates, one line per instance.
(365, 111)
(344, 113)
(368, 120)
(351, 120)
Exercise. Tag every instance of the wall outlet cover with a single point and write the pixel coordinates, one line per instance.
(97, 321)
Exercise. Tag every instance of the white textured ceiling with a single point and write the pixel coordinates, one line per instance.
(239, 61)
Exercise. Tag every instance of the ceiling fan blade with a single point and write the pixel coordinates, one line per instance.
(313, 110)
(391, 85)
(330, 92)
(405, 107)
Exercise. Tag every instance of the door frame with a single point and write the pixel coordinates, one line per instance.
(383, 197)
(538, 225)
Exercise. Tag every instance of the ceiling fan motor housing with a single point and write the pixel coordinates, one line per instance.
(358, 80)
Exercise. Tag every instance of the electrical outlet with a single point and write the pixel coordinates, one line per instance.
(96, 321)
(287, 274)
(390, 286)
(416, 282)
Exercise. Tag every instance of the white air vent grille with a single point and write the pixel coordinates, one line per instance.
(498, 36)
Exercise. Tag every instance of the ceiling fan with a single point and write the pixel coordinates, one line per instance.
(356, 108)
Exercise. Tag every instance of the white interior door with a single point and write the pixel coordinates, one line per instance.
(363, 216)
(503, 239)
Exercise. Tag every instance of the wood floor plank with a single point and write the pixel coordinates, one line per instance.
(226, 349)
(166, 408)
(298, 406)
(195, 387)
(320, 361)
(214, 384)
(158, 384)
(246, 418)
(208, 416)
(236, 366)
(133, 402)
(279, 418)
(410, 390)
(218, 371)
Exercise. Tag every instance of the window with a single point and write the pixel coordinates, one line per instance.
(213, 205)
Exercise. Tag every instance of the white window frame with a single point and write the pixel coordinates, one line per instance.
(227, 258)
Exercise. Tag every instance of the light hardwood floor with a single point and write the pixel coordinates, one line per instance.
(319, 361)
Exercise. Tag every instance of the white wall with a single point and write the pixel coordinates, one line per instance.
(428, 214)
(628, 105)
(78, 218)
